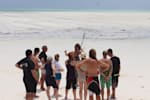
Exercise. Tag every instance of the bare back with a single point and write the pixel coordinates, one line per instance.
(92, 66)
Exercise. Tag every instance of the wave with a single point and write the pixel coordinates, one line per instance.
(73, 25)
(76, 33)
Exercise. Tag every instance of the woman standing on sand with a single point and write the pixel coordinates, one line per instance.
(71, 77)
(82, 79)
(59, 69)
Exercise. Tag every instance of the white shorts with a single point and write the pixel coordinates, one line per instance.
(90, 93)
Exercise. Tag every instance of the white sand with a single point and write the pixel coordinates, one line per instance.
(134, 54)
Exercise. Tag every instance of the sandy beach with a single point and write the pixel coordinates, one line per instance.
(126, 33)
(134, 54)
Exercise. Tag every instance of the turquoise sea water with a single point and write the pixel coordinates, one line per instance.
(73, 10)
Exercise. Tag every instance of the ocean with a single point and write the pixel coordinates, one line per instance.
(73, 24)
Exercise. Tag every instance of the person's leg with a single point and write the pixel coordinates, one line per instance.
(48, 92)
(74, 86)
(74, 94)
(108, 84)
(102, 93)
(81, 88)
(91, 95)
(102, 80)
(113, 92)
(108, 93)
(85, 90)
(66, 94)
(27, 96)
(42, 81)
(56, 93)
(32, 96)
(68, 86)
(58, 83)
(98, 97)
(114, 85)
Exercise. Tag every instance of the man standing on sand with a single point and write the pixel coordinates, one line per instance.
(115, 73)
(30, 77)
(37, 62)
(92, 67)
(43, 58)
(105, 77)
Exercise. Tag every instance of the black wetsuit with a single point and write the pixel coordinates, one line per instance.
(28, 79)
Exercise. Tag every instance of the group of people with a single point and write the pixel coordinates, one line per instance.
(90, 74)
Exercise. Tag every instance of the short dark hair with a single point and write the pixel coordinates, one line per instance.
(104, 52)
(28, 52)
(56, 55)
(110, 50)
(44, 46)
(36, 50)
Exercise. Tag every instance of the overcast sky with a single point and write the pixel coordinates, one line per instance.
(76, 4)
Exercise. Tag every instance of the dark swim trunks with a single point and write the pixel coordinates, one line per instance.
(115, 81)
(71, 83)
(50, 81)
(30, 85)
(93, 85)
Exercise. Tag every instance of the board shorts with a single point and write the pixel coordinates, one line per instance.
(115, 81)
(93, 85)
(30, 85)
(58, 76)
(103, 82)
(71, 83)
(50, 81)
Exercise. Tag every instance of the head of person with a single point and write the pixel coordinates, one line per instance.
(92, 54)
(56, 57)
(110, 52)
(36, 50)
(28, 53)
(44, 48)
(77, 48)
(105, 54)
(49, 59)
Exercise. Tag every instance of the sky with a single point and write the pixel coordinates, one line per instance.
(76, 4)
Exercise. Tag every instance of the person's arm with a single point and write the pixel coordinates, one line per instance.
(103, 74)
(35, 76)
(103, 66)
(19, 66)
(83, 65)
(61, 69)
(54, 69)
